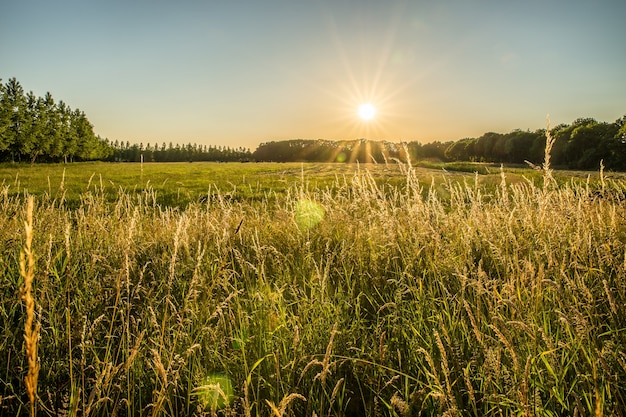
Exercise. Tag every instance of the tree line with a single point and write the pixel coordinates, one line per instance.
(580, 145)
(44, 130)
(359, 150)
(127, 152)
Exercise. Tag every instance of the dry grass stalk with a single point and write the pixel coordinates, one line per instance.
(336, 390)
(400, 405)
(508, 345)
(470, 387)
(245, 402)
(503, 187)
(548, 179)
(158, 366)
(134, 351)
(445, 369)
(326, 361)
(31, 329)
(609, 296)
(602, 181)
(525, 389)
(282, 407)
(433, 369)
(475, 329)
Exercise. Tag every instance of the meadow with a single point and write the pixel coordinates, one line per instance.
(311, 290)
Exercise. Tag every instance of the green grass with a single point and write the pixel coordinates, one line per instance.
(315, 290)
(178, 184)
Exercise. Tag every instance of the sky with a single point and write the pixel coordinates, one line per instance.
(240, 72)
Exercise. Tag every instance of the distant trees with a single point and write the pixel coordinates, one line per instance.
(126, 152)
(37, 128)
(322, 150)
(432, 150)
(581, 145)
(585, 142)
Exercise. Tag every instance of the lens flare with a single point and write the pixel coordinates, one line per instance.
(308, 214)
(215, 391)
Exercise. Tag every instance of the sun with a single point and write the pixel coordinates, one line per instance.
(366, 111)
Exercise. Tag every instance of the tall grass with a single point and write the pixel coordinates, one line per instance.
(31, 328)
(445, 298)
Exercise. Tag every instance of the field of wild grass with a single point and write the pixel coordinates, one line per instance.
(297, 290)
(179, 184)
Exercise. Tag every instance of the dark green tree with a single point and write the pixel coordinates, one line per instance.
(484, 147)
(460, 150)
(4, 119)
(14, 103)
(87, 147)
(617, 147)
(29, 144)
(51, 140)
(69, 138)
(519, 147)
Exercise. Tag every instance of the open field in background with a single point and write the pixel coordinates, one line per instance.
(315, 289)
(178, 184)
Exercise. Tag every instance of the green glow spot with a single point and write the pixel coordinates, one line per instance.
(308, 214)
(215, 392)
(341, 157)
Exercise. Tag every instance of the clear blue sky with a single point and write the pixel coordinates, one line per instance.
(237, 73)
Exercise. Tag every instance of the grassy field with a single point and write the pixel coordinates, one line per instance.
(178, 184)
(317, 290)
